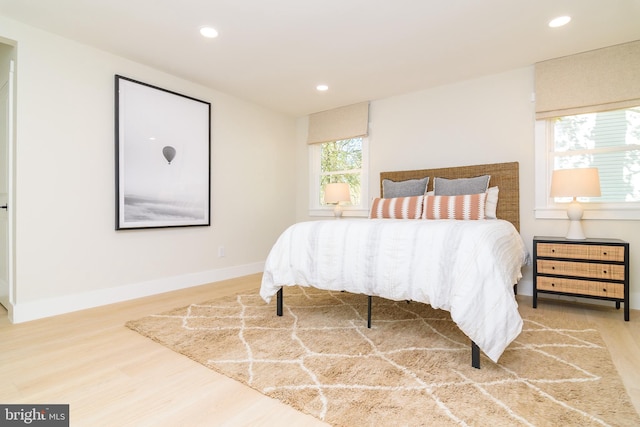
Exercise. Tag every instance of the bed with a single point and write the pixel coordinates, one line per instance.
(467, 267)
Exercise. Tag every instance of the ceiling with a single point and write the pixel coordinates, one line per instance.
(275, 52)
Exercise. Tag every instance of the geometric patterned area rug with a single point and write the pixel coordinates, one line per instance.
(412, 368)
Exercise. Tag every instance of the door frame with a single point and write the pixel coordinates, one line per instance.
(10, 136)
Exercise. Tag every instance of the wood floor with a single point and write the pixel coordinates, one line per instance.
(111, 376)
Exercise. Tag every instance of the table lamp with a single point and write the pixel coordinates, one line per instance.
(334, 194)
(581, 182)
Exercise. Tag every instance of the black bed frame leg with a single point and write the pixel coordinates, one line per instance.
(279, 302)
(369, 312)
(475, 355)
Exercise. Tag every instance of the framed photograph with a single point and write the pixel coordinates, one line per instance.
(163, 157)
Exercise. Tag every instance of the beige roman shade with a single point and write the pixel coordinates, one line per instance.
(588, 82)
(340, 123)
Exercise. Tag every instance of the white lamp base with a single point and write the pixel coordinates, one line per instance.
(574, 212)
(337, 211)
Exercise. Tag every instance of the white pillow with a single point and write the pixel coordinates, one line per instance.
(492, 203)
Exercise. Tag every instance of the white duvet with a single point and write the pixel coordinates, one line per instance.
(465, 267)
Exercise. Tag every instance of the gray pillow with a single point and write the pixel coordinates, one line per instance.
(408, 188)
(456, 187)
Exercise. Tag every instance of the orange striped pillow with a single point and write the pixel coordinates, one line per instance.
(466, 206)
(397, 208)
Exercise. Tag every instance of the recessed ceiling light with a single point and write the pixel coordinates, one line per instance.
(209, 32)
(322, 88)
(559, 21)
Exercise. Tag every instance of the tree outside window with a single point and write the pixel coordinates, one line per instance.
(341, 161)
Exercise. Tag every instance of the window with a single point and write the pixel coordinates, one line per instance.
(339, 161)
(608, 140)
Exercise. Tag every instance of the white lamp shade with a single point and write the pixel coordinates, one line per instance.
(581, 182)
(336, 193)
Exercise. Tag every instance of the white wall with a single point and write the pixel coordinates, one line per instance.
(485, 120)
(68, 255)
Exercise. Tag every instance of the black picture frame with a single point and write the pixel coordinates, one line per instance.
(163, 157)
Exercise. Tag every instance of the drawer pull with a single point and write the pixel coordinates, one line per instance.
(604, 253)
(604, 271)
(604, 289)
(553, 267)
(553, 251)
(553, 285)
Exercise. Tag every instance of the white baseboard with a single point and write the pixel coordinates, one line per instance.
(33, 310)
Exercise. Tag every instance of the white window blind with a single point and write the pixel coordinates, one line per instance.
(342, 123)
(597, 80)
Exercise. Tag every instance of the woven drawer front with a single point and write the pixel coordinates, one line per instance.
(581, 269)
(590, 252)
(585, 287)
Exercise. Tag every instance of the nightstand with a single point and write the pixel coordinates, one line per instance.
(590, 268)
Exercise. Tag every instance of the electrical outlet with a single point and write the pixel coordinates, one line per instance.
(220, 251)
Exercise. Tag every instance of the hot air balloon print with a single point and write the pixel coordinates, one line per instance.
(169, 153)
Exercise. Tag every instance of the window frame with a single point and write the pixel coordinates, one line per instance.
(545, 206)
(317, 209)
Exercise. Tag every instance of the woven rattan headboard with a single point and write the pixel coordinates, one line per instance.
(503, 175)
